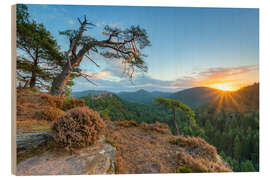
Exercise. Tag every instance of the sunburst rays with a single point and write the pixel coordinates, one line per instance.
(227, 100)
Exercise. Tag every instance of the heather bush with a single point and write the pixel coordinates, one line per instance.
(53, 101)
(79, 127)
(196, 165)
(196, 146)
(196, 155)
(49, 113)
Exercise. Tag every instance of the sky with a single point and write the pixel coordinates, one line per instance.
(190, 47)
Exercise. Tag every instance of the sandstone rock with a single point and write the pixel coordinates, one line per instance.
(28, 141)
(96, 159)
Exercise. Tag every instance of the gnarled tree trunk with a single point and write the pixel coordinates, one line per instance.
(34, 74)
(59, 83)
(123, 42)
(33, 80)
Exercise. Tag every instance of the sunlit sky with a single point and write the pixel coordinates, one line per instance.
(214, 47)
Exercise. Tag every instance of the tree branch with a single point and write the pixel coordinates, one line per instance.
(92, 61)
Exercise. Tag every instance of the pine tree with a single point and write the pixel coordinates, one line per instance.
(39, 59)
(177, 105)
(247, 166)
(237, 148)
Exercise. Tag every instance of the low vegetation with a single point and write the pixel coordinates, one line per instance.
(140, 147)
(196, 155)
(49, 113)
(79, 127)
(35, 105)
(196, 146)
(157, 126)
(127, 123)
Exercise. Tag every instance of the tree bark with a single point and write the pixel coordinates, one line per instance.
(34, 75)
(26, 84)
(59, 83)
(33, 80)
(175, 122)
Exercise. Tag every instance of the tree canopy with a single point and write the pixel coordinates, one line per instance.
(39, 58)
(177, 105)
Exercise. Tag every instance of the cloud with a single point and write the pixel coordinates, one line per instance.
(112, 79)
(99, 75)
(234, 77)
(232, 74)
(71, 22)
(227, 72)
(100, 24)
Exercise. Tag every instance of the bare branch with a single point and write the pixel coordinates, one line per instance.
(92, 60)
(88, 80)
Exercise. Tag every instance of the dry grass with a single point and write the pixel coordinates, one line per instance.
(37, 106)
(188, 163)
(151, 148)
(158, 127)
(130, 123)
(79, 127)
(42, 106)
(38, 98)
(49, 113)
(140, 150)
(196, 147)
(196, 155)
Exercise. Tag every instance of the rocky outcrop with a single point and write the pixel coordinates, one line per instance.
(30, 141)
(96, 159)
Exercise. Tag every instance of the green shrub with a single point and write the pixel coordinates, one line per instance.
(247, 166)
(79, 127)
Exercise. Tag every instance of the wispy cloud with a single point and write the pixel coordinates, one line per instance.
(232, 76)
(214, 73)
(100, 24)
(71, 22)
(235, 76)
(99, 75)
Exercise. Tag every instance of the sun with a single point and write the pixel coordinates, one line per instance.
(224, 87)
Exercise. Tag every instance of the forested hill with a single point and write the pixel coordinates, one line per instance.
(193, 97)
(85, 93)
(197, 96)
(231, 123)
(244, 100)
(112, 107)
(142, 96)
